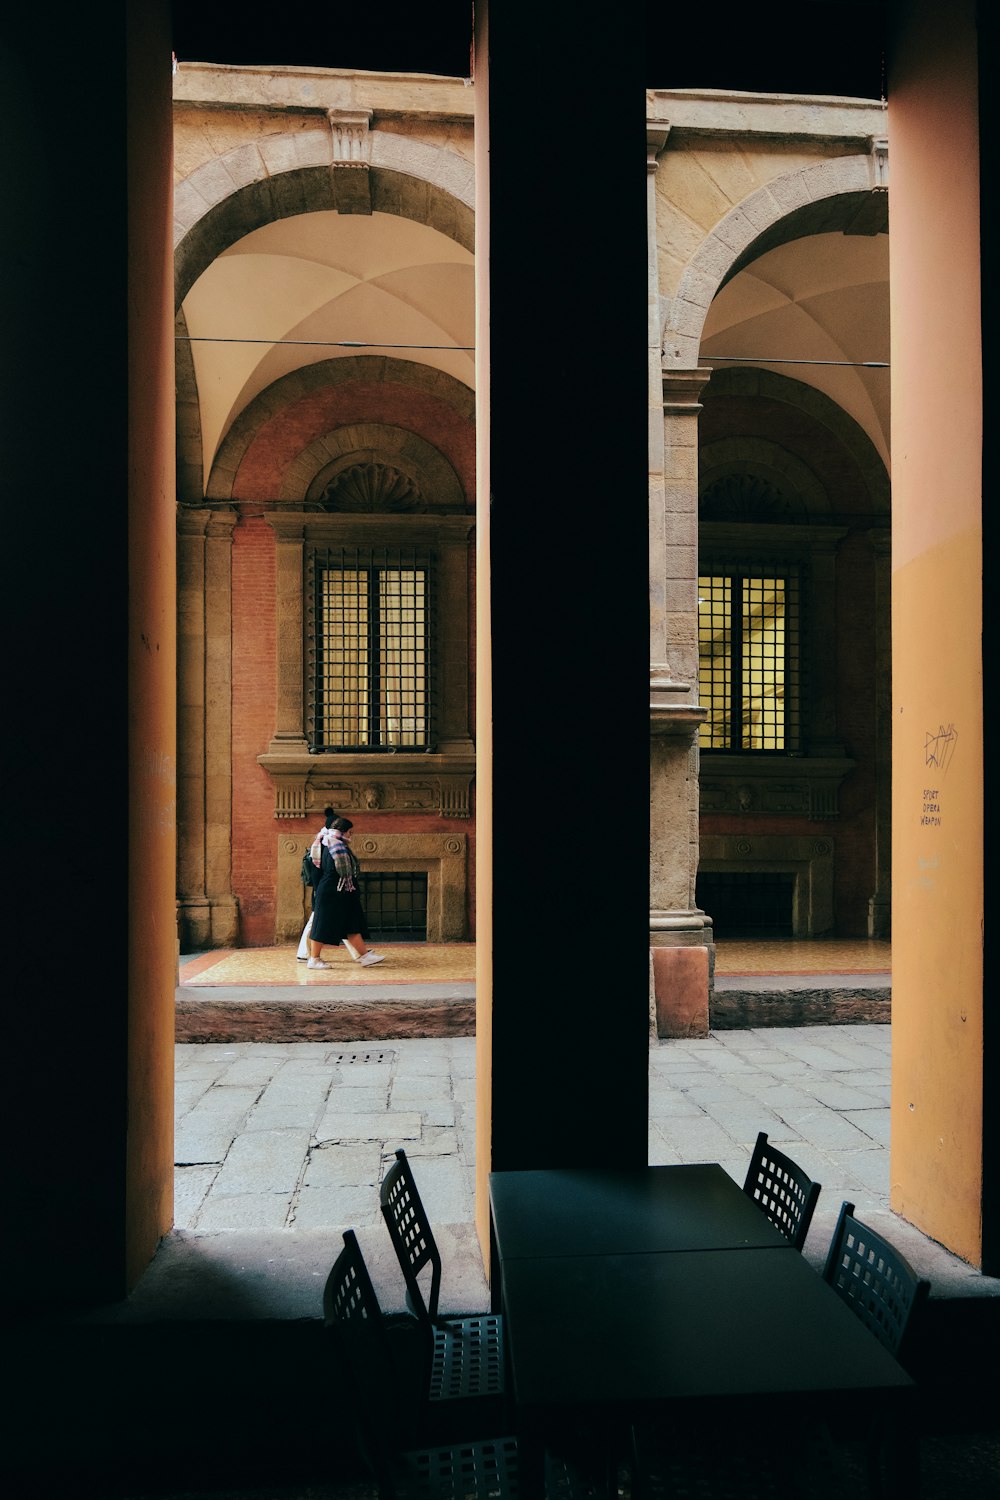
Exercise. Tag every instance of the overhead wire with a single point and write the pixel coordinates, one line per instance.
(753, 359)
(191, 338)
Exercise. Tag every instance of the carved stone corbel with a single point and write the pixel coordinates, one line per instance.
(349, 129)
(878, 150)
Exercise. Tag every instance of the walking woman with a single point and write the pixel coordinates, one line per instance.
(317, 874)
(338, 916)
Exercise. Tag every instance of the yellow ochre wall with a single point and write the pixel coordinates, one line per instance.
(936, 1159)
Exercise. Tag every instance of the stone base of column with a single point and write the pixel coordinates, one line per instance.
(680, 991)
(681, 972)
(682, 969)
(207, 922)
(679, 928)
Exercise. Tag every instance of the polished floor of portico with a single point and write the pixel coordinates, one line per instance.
(455, 963)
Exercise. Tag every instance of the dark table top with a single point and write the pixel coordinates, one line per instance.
(634, 1210)
(616, 1331)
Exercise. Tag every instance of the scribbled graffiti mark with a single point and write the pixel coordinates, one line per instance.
(940, 747)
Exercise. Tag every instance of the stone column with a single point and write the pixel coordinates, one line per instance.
(206, 907)
(219, 729)
(880, 902)
(675, 715)
(192, 906)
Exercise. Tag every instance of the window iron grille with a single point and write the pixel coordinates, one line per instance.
(749, 658)
(370, 627)
(395, 905)
(747, 904)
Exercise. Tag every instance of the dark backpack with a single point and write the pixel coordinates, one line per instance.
(310, 874)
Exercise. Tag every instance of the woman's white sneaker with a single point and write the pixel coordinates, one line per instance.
(318, 963)
(372, 958)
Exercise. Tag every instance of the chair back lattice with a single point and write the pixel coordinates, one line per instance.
(411, 1236)
(875, 1281)
(380, 1376)
(781, 1188)
(349, 1296)
(484, 1470)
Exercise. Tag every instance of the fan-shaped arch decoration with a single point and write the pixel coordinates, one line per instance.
(373, 487)
(746, 497)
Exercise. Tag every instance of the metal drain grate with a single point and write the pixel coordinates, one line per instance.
(343, 1059)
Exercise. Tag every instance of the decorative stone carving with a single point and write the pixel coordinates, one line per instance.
(796, 786)
(351, 141)
(878, 146)
(745, 497)
(657, 132)
(289, 797)
(373, 487)
(304, 784)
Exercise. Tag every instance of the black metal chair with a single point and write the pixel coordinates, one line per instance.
(782, 1190)
(876, 1281)
(882, 1289)
(386, 1403)
(385, 1396)
(467, 1355)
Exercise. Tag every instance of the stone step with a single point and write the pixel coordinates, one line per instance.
(347, 1014)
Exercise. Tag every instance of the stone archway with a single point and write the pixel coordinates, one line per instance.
(284, 175)
(279, 177)
(777, 210)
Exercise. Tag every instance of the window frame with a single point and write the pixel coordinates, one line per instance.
(372, 560)
(736, 566)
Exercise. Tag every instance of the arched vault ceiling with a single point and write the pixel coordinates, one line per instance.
(324, 279)
(821, 298)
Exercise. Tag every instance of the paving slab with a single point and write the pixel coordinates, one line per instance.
(340, 1125)
(199, 1147)
(317, 1207)
(264, 1161)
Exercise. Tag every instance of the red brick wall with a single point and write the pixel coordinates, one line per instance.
(280, 441)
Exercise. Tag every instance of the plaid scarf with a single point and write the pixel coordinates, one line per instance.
(344, 859)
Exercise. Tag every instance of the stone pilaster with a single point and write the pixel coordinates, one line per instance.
(675, 715)
(289, 728)
(206, 907)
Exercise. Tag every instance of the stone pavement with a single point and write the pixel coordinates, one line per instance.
(275, 1137)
